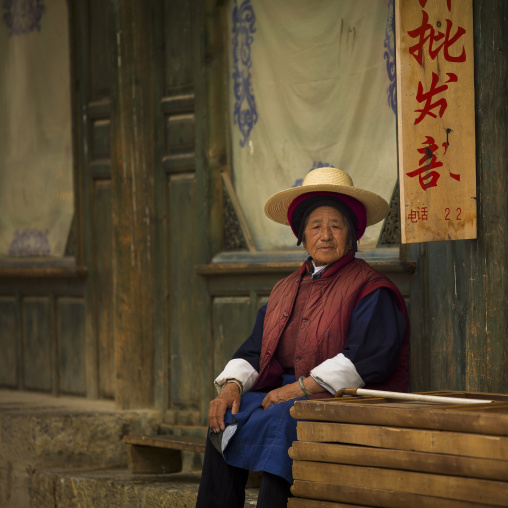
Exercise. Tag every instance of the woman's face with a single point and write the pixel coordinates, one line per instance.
(326, 235)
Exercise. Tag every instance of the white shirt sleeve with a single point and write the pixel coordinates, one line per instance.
(336, 373)
(238, 369)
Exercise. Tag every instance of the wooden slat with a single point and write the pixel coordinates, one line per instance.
(338, 494)
(436, 463)
(298, 502)
(448, 487)
(432, 441)
(187, 443)
(475, 422)
(46, 273)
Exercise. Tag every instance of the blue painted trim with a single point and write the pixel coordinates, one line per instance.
(30, 242)
(245, 114)
(23, 16)
(389, 56)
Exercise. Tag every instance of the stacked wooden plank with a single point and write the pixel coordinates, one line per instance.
(361, 451)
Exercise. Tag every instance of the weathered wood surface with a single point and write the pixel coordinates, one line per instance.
(132, 173)
(309, 495)
(159, 454)
(429, 441)
(490, 419)
(448, 487)
(437, 463)
(184, 334)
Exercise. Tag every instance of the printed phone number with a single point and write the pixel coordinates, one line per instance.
(421, 214)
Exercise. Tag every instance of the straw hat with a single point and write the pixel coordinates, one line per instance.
(326, 180)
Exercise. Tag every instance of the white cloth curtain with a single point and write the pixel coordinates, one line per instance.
(311, 84)
(36, 189)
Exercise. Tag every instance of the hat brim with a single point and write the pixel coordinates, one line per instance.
(276, 208)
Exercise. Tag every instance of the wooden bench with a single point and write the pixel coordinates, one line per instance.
(160, 454)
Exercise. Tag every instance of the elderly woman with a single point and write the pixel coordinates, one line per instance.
(334, 323)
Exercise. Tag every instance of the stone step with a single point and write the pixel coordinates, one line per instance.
(117, 488)
(42, 432)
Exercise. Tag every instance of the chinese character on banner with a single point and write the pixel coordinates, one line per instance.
(427, 97)
(428, 177)
(426, 33)
(418, 214)
(435, 98)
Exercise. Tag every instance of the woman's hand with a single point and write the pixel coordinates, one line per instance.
(229, 397)
(292, 391)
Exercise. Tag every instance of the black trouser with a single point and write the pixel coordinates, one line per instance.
(223, 486)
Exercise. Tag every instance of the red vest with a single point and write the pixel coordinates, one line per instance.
(325, 321)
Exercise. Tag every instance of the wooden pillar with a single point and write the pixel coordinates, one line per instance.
(487, 343)
(132, 176)
(459, 297)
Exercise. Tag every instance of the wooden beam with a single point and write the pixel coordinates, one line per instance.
(132, 176)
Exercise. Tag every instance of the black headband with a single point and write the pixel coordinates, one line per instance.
(305, 208)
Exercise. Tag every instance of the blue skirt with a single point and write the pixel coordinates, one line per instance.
(262, 437)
